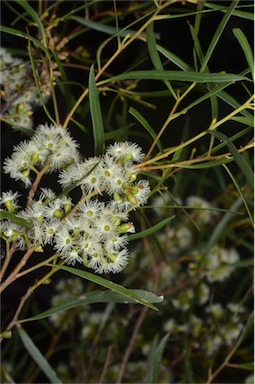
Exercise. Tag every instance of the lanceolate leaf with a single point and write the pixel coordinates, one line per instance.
(175, 75)
(96, 297)
(108, 284)
(96, 114)
(151, 230)
(37, 356)
(241, 162)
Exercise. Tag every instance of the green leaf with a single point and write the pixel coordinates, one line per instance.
(218, 33)
(175, 75)
(35, 17)
(96, 297)
(107, 284)
(154, 359)
(37, 356)
(14, 219)
(154, 55)
(242, 39)
(240, 193)
(241, 162)
(249, 121)
(246, 366)
(104, 28)
(96, 115)
(151, 230)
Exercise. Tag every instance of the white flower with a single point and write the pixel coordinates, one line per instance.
(115, 243)
(9, 199)
(72, 256)
(204, 212)
(126, 151)
(118, 261)
(50, 228)
(63, 240)
(61, 149)
(91, 209)
(105, 228)
(143, 192)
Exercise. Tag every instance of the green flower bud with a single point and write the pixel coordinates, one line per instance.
(10, 206)
(124, 228)
(131, 198)
(57, 213)
(6, 334)
(26, 173)
(39, 249)
(67, 208)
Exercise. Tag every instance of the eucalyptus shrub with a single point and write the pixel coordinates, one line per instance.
(126, 220)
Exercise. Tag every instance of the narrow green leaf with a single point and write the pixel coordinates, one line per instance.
(35, 18)
(174, 59)
(154, 359)
(242, 39)
(96, 115)
(107, 284)
(241, 162)
(240, 193)
(146, 125)
(104, 28)
(246, 366)
(238, 13)
(151, 230)
(14, 219)
(244, 120)
(37, 356)
(175, 75)
(154, 55)
(96, 297)
(218, 33)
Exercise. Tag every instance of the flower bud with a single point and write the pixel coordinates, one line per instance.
(10, 206)
(126, 227)
(39, 249)
(57, 213)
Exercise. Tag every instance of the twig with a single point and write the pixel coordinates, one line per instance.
(131, 345)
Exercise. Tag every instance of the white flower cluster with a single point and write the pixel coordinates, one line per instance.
(18, 90)
(94, 229)
(225, 325)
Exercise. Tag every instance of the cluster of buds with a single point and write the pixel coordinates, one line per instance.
(92, 230)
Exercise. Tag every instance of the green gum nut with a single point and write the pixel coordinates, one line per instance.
(128, 157)
(132, 177)
(131, 198)
(35, 158)
(26, 173)
(67, 207)
(39, 249)
(10, 206)
(57, 213)
(116, 197)
(6, 334)
(124, 228)
(20, 107)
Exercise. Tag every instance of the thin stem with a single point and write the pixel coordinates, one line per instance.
(26, 296)
(16, 270)
(7, 259)
(131, 345)
(42, 264)
(35, 184)
(125, 43)
(169, 119)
